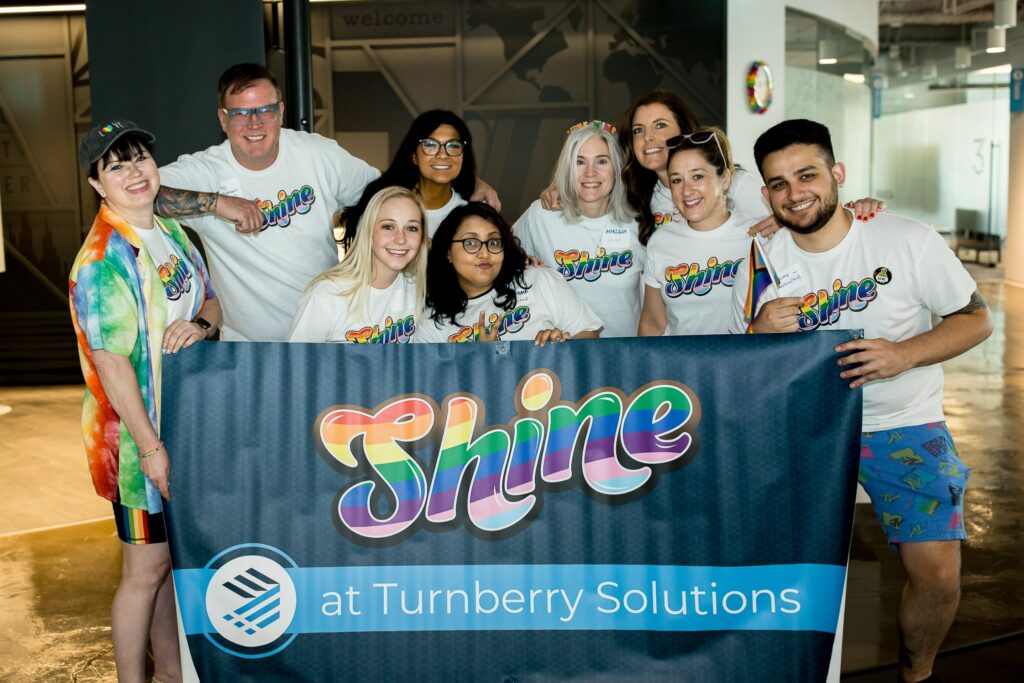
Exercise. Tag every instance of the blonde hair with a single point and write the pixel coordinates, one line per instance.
(355, 272)
(565, 176)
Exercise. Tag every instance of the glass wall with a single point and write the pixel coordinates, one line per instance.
(835, 93)
(941, 151)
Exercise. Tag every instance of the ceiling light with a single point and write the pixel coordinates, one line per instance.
(854, 78)
(40, 9)
(826, 52)
(962, 57)
(1004, 14)
(995, 41)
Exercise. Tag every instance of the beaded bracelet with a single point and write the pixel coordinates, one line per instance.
(146, 454)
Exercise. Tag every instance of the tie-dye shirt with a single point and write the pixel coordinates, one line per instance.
(119, 305)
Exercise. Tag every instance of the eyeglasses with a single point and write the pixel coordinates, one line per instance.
(472, 245)
(432, 147)
(241, 116)
(699, 138)
(600, 125)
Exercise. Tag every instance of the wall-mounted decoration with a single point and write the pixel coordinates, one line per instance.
(759, 87)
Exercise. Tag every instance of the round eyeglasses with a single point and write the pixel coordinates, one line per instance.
(472, 245)
(432, 147)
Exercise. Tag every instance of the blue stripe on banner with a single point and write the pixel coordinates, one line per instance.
(796, 597)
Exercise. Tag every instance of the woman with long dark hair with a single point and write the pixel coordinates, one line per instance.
(479, 287)
(435, 160)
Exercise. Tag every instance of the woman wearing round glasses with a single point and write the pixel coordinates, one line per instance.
(376, 293)
(692, 263)
(435, 159)
(593, 241)
(480, 289)
(138, 288)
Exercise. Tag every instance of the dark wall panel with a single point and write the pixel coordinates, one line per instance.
(157, 63)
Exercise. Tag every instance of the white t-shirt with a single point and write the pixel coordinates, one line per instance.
(175, 272)
(259, 277)
(548, 302)
(435, 216)
(887, 276)
(744, 196)
(694, 271)
(601, 258)
(325, 315)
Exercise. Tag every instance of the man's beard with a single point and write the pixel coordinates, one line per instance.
(826, 210)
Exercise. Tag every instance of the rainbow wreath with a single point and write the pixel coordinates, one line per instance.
(756, 106)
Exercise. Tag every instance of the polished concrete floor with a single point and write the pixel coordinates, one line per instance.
(59, 555)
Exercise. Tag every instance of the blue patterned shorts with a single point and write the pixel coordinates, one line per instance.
(916, 482)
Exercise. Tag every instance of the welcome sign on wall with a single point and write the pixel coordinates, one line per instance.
(674, 508)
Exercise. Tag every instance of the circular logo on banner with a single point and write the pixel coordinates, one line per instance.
(251, 601)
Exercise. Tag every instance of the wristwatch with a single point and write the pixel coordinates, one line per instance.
(205, 324)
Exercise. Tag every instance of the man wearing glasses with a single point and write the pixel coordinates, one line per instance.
(281, 240)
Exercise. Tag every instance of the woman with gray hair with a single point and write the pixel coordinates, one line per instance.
(593, 240)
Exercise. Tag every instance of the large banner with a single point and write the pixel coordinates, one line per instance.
(675, 508)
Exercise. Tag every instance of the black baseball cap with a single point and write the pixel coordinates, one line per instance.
(98, 140)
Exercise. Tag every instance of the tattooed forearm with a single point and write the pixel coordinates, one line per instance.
(973, 305)
(175, 203)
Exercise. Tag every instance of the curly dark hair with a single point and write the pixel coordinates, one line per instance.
(402, 171)
(638, 180)
(444, 294)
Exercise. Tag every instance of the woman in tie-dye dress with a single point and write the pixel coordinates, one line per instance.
(138, 288)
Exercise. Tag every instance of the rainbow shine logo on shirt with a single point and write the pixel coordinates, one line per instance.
(607, 442)
(176, 276)
(579, 265)
(393, 332)
(690, 278)
(508, 322)
(823, 308)
(661, 219)
(288, 204)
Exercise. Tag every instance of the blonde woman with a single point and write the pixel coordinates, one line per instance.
(375, 294)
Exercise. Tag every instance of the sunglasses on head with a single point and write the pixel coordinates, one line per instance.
(698, 138)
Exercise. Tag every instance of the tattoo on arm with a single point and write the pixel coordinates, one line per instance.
(973, 305)
(175, 203)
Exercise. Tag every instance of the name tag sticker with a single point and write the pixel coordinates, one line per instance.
(230, 187)
(615, 239)
(790, 281)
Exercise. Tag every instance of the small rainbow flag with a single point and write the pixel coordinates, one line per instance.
(760, 280)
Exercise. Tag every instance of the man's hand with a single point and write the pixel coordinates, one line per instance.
(778, 315)
(244, 213)
(872, 359)
(486, 194)
(766, 228)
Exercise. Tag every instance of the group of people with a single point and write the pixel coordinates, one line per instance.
(644, 230)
